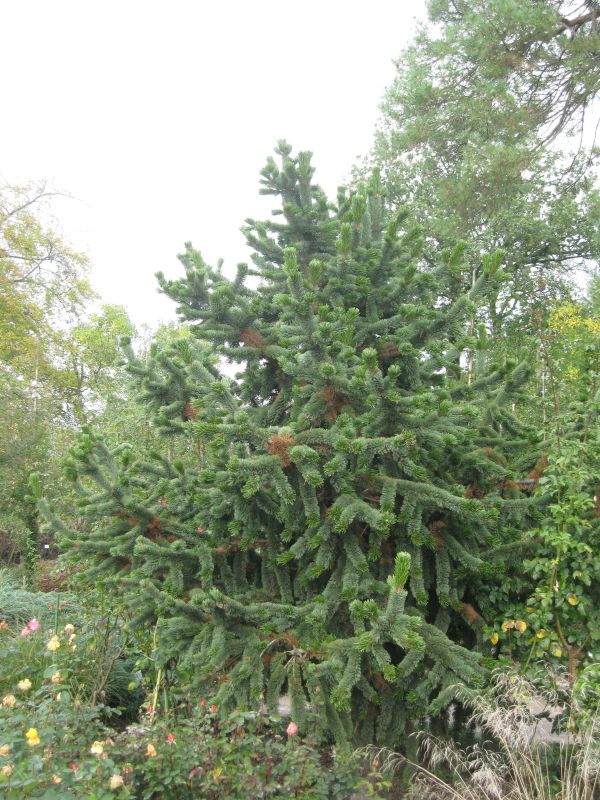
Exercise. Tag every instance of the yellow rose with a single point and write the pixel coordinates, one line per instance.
(520, 625)
(4, 750)
(508, 625)
(151, 751)
(24, 685)
(9, 700)
(572, 599)
(56, 677)
(494, 638)
(115, 782)
(53, 644)
(540, 634)
(96, 749)
(56, 779)
(32, 737)
(7, 770)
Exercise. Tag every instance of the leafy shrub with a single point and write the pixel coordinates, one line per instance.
(90, 660)
(565, 564)
(586, 698)
(546, 609)
(241, 755)
(58, 736)
(42, 732)
(50, 745)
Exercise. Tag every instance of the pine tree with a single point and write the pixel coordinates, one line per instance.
(338, 495)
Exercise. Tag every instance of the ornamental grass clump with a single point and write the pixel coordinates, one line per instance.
(529, 747)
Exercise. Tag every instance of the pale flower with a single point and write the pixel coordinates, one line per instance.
(69, 629)
(56, 779)
(53, 644)
(25, 631)
(96, 749)
(24, 685)
(56, 677)
(4, 750)
(151, 750)
(7, 770)
(115, 782)
(9, 700)
(33, 625)
(72, 638)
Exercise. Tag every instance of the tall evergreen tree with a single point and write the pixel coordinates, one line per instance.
(464, 139)
(347, 484)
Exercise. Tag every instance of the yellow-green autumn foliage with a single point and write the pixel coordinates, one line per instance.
(42, 280)
(574, 337)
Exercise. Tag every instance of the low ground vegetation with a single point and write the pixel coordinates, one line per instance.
(79, 718)
(85, 712)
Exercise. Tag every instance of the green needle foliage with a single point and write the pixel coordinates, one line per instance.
(343, 488)
(464, 140)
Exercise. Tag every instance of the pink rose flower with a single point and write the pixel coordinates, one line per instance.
(292, 729)
(25, 631)
(33, 625)
(170, 738)
(213, 709)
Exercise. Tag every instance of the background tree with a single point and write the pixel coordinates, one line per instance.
(58, 365)
(41, 279)
(535, 61)
(466, 139)
(463, 139)
(88, 368)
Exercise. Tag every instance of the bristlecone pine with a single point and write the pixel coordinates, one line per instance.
(321, 543)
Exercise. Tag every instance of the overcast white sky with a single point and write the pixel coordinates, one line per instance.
(158, 116)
